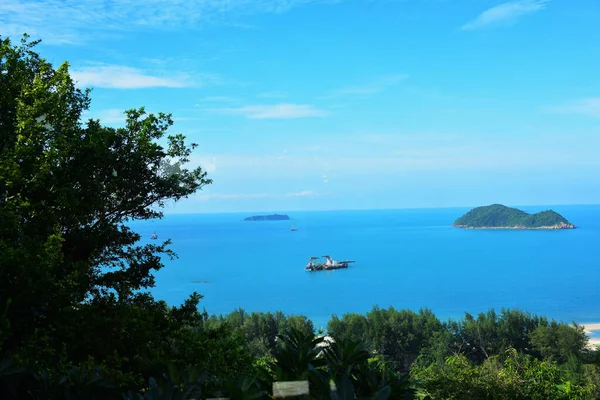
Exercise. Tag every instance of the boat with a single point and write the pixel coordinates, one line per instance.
(294, 229)
(154, 236)
(328, 264)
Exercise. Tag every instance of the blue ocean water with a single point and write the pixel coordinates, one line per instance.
(408, 258)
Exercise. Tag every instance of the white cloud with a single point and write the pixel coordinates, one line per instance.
(505, 13)
(406, 156)
(209, 166)
(109, 116)
(122, 77)
(368, 89)
(207, 162)
(273, 111)
(304, 193)
(273, 95)
(218, 99)
(589, 107)
(77, 21)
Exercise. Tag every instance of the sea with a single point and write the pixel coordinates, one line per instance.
(408, 259)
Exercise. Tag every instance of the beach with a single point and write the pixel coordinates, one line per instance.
(589, 329)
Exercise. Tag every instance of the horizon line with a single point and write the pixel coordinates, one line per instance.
(371, 209)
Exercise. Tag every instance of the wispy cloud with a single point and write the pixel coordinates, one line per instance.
(76, 21)
(109, 116)
(218, 99)
(506, 13)
(208, 165)
(273, 95)
(324, 167)
(123, 77)
(272, 111)
(369, 89)
(589, 107)
(235, 196)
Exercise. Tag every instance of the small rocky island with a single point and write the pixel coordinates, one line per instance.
(273, 217)
(498, 216)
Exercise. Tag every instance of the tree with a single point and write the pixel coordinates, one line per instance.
(261, 329)
(299, 356)
(558, 341)
(517, 377)
(69, 263)
(352, 326)
(489, 334)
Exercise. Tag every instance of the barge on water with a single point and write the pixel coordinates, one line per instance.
(328, 264)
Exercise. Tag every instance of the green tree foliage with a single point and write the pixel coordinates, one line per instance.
(261, 329)
(351, 326)
(344, 365)
(398, 335)
(72, 272)
(559, 342)
(491, 333)
(355, 373)
(517, 376)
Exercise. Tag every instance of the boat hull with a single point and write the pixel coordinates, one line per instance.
(321, 267)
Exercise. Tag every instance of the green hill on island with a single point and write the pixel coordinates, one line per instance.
(499, 216)
(273, 217)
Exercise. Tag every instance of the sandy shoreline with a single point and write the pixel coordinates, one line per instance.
(589, 329)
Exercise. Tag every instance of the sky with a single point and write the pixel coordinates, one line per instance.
(347, 104)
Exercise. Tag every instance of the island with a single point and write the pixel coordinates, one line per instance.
(273, 217)
(498, 216)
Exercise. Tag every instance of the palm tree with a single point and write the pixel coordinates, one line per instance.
(348, 366)
(299, 356)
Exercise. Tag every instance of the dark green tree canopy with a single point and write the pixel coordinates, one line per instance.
(68, 188)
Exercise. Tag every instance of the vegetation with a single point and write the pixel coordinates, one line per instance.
(507, 376)
(72, 273)
(499, 216)
(261, 329)
(77, 322)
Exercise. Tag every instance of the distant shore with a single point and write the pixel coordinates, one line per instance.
(589, 329)
(544, 228)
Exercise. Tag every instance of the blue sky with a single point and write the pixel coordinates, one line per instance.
(348, 104)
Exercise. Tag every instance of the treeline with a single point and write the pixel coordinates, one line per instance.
(386, 353)
(507, 355)
(260, 329)
(493, 355)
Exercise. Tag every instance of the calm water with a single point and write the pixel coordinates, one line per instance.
(405, 258)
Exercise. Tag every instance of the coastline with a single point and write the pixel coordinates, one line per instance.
(590, 329)
(542, 228)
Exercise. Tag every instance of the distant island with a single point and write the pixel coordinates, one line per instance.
(273, 217)
(498, 216)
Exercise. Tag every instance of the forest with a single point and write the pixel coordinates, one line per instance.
(77, 320)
